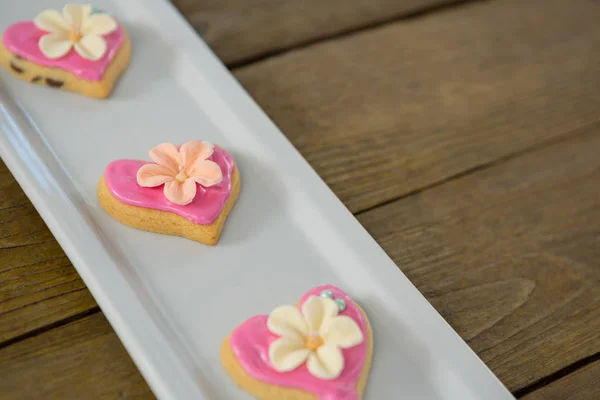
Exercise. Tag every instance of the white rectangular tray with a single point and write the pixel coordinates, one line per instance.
(171, 300)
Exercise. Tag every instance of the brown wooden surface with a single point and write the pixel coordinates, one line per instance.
(243, 30)
(417, 102)
(508, 255)
(465, 139)
(581, 385)
(81, 360)
(38, 285)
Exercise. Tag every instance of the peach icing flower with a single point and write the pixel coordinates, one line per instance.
(315, 335)
(77, 27)
(180, 170)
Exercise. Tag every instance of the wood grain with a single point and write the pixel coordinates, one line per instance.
(396, 109)
(583, 384)
(81, 360)
(242, 30)
(509, 256)
(38, 284)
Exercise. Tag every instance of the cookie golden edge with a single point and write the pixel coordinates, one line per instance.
(37, 74)
(266, 391)
(165, 222)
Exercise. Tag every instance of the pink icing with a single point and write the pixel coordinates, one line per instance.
(250, 343)
(22, 39)
(120, 177)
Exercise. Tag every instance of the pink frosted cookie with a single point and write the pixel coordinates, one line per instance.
(319, 349)
(82, 50)
(187, 191)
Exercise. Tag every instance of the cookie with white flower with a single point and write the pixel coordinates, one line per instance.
(187, 190)
(80, 49)
(320, 348)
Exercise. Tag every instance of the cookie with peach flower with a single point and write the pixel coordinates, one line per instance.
(188, 190)
(320, 348)
(80, 49)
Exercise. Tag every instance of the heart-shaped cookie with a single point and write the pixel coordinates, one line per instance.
(320, 348)
(81, 49)
(187, 191)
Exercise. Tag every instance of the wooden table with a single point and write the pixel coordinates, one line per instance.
(464, 136)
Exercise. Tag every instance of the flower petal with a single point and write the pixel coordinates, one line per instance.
(151, 175)
(326, 363)
(180, 193)
(166, 154)
(193, 151)
(51, 21)
(205, 172)
(287, 354)
(318, 309)
(91, 47)
(75, 14)
(98, 24)
(287, 321)
(341, 331)
(54, 45)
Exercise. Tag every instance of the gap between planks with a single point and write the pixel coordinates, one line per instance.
(561, 373)
(580, 130)
(425, 11)
(51, 326)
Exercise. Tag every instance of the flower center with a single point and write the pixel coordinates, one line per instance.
(313, 342)
(181, 176)
(75, 35)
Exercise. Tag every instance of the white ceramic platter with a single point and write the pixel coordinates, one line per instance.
(171, 300)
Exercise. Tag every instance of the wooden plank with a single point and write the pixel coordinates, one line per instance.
(509, 256)
(242, 30)
(583, 384)
(81, 360)
(396, 109)
(38, 284)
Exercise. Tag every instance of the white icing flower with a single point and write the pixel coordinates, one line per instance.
(314, 335)
(77, 27)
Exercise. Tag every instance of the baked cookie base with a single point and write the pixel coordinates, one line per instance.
(61, 79)
(168, 223)
(265, 391)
